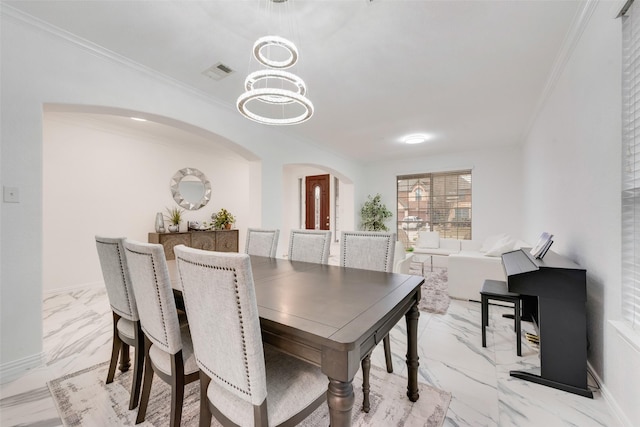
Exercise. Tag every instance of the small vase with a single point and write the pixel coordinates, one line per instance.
(159, 223)
(174, 228)
(227, 226)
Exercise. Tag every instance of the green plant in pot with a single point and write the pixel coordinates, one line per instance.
(223, 219)
(174, 217)
(374, 214)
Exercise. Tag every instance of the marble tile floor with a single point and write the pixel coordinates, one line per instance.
(77, 328)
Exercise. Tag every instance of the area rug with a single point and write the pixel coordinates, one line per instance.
(435, 292)
(83, 399)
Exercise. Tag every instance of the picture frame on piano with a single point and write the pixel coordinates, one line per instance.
(542, 246)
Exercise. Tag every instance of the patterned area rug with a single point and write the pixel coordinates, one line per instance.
(435, 292)
(83, 399)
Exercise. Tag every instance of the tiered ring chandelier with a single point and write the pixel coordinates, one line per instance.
(274, 96)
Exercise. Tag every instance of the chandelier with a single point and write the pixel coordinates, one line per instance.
(273, 96)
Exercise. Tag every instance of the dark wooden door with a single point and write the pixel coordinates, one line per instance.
(317, 202)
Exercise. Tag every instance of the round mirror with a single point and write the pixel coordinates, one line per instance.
(190, 188)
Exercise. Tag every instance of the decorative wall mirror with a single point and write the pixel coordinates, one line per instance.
(190, 188)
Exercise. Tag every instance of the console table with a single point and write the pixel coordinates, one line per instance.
(212, 240)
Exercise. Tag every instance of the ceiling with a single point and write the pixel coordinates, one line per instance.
(471, 74)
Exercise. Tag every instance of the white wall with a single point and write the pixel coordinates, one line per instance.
(496, 186)
(572, 187)
(41, 67)
(101, 179)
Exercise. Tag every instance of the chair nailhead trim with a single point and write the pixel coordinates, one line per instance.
(303, 232)
(124, 280)
(386, 256)
(213, 374)
(165, 342)
(239, 308)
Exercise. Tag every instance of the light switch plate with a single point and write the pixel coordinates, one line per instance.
(11, 194)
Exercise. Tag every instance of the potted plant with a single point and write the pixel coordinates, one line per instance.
(175, 218)
(374, 214)
(223, 219)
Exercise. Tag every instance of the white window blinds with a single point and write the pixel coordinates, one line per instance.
(631, 166)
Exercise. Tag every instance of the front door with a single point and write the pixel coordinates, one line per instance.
(317, 202)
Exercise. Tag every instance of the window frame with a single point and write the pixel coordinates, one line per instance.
(630, 179)
(443, 195)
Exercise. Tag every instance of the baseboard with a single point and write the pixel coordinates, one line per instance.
(609, 399)
(15, 369)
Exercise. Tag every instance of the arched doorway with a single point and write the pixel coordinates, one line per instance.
(340, 195)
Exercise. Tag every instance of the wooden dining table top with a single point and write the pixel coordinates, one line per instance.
(336, 305)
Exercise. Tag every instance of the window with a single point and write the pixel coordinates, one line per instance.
(435, 202)
(462, 214)
(631, 166)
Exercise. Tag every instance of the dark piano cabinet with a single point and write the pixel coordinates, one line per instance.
(555, 290)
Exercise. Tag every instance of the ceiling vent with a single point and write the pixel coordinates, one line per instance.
(217, 71)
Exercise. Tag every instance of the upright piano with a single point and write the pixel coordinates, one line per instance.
(554, 291)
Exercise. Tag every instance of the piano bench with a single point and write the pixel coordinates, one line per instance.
(498, 291)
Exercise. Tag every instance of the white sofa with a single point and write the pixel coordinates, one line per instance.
(469, 268)
(430, 243)
(469, 262)
(476, 262)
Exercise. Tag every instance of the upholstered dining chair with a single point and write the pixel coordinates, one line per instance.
(243, 382)
(369, 250)
(126, 323)
(168, 347)
(310, 246)
(262, 242)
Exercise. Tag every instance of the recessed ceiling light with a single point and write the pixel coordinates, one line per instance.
(138, 119)
(415, 139)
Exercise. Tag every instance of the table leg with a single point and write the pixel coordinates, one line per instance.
(340, 398)
(366, 387)
(412, 352)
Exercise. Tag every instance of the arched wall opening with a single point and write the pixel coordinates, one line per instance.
(105, 174)
(341, 201)
(78, 74)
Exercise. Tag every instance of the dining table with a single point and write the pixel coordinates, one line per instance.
(333, 317)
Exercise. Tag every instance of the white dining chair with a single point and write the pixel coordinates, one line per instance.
(168, 347)
(262, 242)
(243, 382)
(310, 246)
(126, 323)
(369, 250)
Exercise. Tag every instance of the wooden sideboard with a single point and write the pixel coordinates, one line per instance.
(214, 240)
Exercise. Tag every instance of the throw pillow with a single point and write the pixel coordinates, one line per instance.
(501, 246)
(429, 239)
(490, 242)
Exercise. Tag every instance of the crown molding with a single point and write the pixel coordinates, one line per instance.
(97, 50)
(579, 24)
